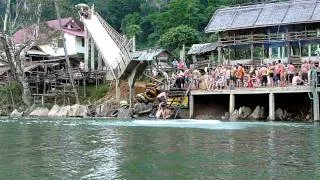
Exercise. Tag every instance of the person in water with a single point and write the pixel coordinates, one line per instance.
(163, 112)
(124, 111)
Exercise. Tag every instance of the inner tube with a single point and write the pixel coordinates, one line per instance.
(143, 98)
(150, 99)
(152, 116)
(151, 92)
(138, 98)
(115, 113)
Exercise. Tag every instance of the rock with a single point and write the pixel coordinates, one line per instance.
(54, 111)
(261, 112)
(63, 112)
(40, 112)
(142, 108)
(255, 115)
(244, 112)
(226, 116)
(30, 109)
(78, 111)
(105, 110)
(16, 113)
(234, 116)
(125, 113)
(279, 114)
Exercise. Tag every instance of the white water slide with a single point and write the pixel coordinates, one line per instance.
(111, 45)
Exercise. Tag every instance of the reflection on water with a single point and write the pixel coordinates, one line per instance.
(184, 149)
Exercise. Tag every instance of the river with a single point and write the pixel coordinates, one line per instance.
(139, 149)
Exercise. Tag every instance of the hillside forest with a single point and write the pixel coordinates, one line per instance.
(155, 23)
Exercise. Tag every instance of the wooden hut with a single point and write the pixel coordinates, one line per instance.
(203, 55)
(261, 33)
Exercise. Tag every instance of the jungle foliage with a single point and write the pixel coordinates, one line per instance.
(151, 21)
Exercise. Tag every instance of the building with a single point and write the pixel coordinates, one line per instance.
(203, 55)
(159, 57)
(50, 42)
(262, 33)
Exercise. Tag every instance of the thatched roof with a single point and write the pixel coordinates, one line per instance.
(266, 14)
(202, 48)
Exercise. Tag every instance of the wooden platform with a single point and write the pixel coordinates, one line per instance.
(260, 90)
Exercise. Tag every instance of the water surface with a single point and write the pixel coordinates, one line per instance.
(142, 149)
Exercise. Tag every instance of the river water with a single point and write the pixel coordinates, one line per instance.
(139, 149)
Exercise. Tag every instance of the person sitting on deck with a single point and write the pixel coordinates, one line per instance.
(297, 80)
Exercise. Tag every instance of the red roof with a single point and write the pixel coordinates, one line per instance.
(27, 33)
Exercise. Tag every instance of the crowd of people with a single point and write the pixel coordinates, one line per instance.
(274, 74)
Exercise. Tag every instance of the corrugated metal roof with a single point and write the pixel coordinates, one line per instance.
(202, 48)
(146, 55)
(266, 14)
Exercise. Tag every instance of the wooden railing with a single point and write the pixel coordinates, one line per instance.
(124, 45)
(273, 37)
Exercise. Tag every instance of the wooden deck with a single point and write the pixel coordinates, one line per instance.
(260, 90)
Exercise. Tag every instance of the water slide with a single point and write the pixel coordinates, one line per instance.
(112, 46)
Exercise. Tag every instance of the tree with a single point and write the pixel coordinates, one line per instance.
(178, 36)
(66, 53)
(15, 12)
(130, 19)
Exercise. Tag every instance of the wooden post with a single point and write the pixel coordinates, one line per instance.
(99, 62)
(262, 53)
(231, 103)
(134, 44)
(283, 47)
(42, 100)
(118, 91)
(271, 107)
(318, 34)
(131, 92)
(191, 106)
(229, 49)
(92, 55)
(270, 52)
(86, 51)
(288, 44)
(219, 55)
(309, 50)
(251, 51)
(316, 115)
(194, 58)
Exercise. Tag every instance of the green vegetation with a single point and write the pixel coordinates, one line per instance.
(93, 92)
(148, 20)
(10, 96)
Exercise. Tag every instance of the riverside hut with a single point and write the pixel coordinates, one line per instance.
(257, 34)
(260, 33)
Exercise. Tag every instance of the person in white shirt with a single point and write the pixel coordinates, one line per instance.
(297, 80)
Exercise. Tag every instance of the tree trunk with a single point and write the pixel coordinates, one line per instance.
(66, 54)
(14, 60)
